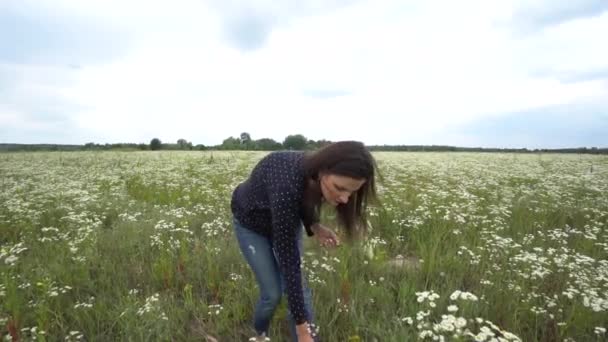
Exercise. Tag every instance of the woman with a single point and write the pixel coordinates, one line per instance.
(284, 193)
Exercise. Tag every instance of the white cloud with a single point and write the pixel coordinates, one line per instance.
(406, 71)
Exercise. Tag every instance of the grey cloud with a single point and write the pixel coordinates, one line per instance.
(32, 92)
(575, 76)
(28, 36)
(591, 75)
(249, 30)
(45, 120)
(39, 52)
(247, 24)
(531, 18)
(568, 125)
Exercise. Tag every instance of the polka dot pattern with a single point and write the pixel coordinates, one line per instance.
(269, 203)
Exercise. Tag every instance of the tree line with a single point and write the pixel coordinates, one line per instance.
(291, 142)
(241, 142)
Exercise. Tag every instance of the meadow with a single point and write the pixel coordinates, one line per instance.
(138, 246)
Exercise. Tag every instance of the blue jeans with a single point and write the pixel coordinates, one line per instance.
(262, 259)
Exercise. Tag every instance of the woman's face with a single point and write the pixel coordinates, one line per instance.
(337, 189)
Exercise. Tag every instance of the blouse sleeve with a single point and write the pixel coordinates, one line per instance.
(285, 210)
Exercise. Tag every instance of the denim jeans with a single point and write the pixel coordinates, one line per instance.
(262, 259)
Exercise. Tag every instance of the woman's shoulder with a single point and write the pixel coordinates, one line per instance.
(284, 154)
(283, 168)
(285, 159)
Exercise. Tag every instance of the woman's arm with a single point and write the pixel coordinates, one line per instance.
(285, 210)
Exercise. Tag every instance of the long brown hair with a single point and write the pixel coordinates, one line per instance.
(350, 159)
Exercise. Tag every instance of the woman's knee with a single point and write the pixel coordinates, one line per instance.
(272, 298)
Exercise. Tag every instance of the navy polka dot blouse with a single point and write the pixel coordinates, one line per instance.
(269, 203)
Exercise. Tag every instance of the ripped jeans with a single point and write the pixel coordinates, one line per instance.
(260, 256)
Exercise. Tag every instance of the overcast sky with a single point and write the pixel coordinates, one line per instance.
(490, 73)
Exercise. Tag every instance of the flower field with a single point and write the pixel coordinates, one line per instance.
(138, 246)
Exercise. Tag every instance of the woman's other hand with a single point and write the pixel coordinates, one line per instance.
(325, 236)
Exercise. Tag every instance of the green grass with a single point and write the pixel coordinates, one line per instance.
(138, 246)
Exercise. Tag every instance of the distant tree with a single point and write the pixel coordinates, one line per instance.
(183, 144)
(231, 143)
(313, 145)
(155, 144)
(89, 146)
(200, 147)
(245, 138)
(295, 142)
(246, 142)
(266, 144)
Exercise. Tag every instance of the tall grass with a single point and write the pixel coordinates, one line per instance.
(102, 246)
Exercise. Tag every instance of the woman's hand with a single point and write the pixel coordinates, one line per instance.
(325, 236)
(304, 333)
(305, 338)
